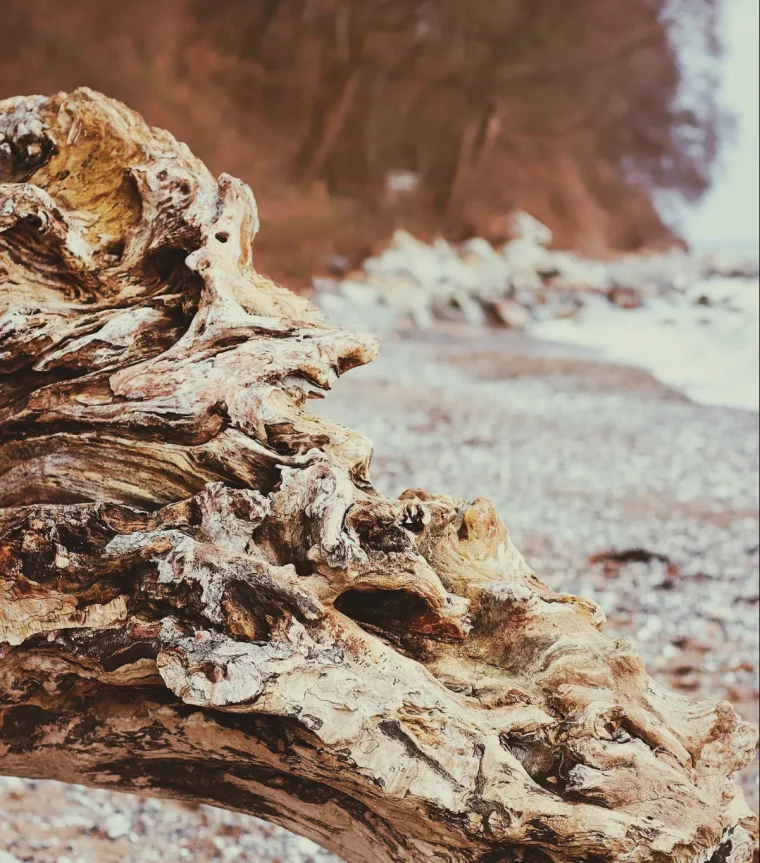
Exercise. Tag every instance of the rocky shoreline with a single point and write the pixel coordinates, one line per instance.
(414, 283)
(690, 319)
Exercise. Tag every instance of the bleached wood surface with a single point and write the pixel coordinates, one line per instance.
(202, 596)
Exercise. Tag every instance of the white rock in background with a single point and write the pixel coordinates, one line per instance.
(582, 272)
(527, 227)
(511, 314)
(491, 271)
(526, 255)
(649, 310)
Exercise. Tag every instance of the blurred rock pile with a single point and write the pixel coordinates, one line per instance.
(412, 283)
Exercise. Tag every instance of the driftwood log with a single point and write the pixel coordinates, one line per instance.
(202, 596)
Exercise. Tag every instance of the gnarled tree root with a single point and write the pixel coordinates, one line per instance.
(202, 595)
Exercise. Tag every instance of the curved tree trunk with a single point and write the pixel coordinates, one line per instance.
(202, 596)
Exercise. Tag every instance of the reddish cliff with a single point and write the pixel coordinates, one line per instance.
(576, 113)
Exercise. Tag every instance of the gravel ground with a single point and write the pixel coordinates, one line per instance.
(612, 485)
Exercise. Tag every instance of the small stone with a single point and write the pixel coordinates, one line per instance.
(625, 298)
(511, 314)
(117, 825)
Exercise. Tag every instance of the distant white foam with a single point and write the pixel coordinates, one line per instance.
(691, 319)
(709, 352)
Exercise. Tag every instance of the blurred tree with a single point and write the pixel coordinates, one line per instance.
(496, 103)
(581, 113)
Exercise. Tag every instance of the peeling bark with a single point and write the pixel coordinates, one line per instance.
(202, 595)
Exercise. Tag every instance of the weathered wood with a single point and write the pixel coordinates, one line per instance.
(202, 595)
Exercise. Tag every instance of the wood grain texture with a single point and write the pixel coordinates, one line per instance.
(202, 595)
